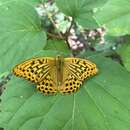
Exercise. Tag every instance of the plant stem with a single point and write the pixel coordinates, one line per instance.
(68, 33)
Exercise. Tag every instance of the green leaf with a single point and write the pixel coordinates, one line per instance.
(34, 2)
(115, 15)
(20, 33)
(101, 103)
(124, 52)
(81, 10)
(31, 2)
(87, 20)
(58, 45)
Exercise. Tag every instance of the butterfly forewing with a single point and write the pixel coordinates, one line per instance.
(76, 70)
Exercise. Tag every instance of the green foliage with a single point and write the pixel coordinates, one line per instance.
(81, 10)
(101, 103)
(124, 52)
(98, 105)
(20, 33)
(57, 45)
(115, 15)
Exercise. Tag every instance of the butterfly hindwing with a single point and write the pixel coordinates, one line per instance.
(70, 85)
(47, 86)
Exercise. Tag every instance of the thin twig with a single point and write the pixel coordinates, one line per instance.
(68, 33)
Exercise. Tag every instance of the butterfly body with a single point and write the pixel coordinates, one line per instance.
(52, 75)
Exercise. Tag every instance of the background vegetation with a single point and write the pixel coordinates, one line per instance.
(94, 29)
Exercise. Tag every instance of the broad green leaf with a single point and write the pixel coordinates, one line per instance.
(81, 10)
(115, 15)
(31, 2)
(48, 53)
(124, 52)
(101, 103)
(20, 33)
(87, 20)
(34, 2)
(58, 45)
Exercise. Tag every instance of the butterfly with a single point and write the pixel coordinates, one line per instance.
(52, 75)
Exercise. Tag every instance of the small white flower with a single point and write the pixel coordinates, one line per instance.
(75, 47)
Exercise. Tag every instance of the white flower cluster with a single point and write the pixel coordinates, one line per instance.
(74, 43)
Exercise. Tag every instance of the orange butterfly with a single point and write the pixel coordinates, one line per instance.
(52, 75)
